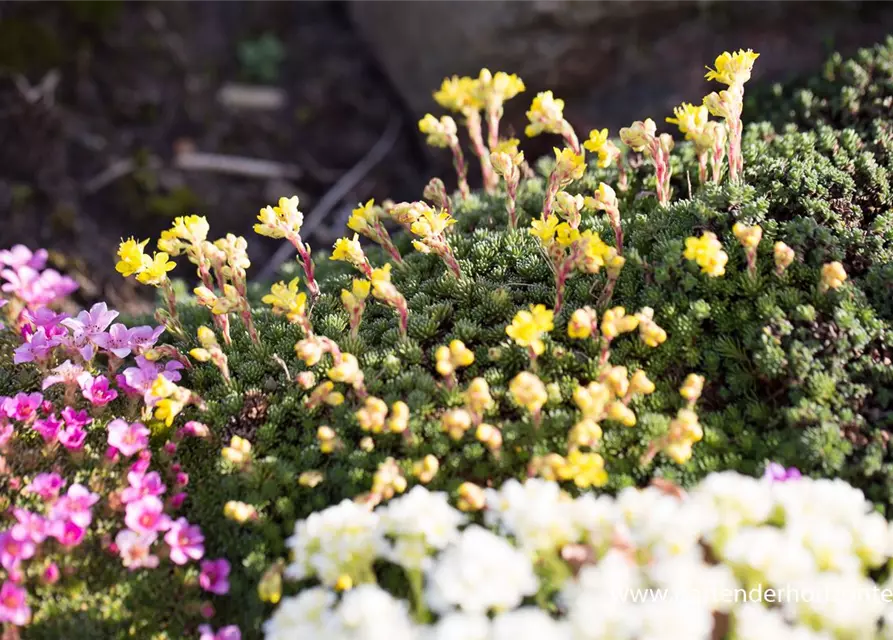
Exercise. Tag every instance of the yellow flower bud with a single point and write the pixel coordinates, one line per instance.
(833, 276)
(692, 387)
(639, 384)
(471, 497)
(477, 397)
(619, 412)
(784, 256)
(528, 391)
(398, 422)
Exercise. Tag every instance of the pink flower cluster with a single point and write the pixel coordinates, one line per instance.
(25, 277)
(66, 519)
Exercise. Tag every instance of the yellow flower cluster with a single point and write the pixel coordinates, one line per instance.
(471, 497)
(440, 133)
(456, 422)
(372, 415)
(546, 115)
(615, 321)
(350, 250)
(426, 468)
(388, 481)
(528, 391)
(585, 469)
(238, 452)
(149, 270)
(450, 358)
(528, 327)
(477, 397)
(640, 135)
(708, 253)
(170, 399)
(383, 289)
(328, 439)
(607, 151)
(281, 221)
(210, 350)
(240, 512)
(749, 237)
(287, 300)
(833, 276)
(733, 68)
(783, 255)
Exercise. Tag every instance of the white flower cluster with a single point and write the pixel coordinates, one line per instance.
(764, 560)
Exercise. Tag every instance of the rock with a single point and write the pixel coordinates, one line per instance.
(612, 62)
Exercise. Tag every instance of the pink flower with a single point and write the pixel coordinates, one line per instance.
(135, 549)
(13, 608)
(14, 549)
(230, 632)
(6, 431)
(47, 427)
(66, 373)
(30, 526)
(214, 576)
(195, 429)
(139, 379)
(67, 532)
(74, 418)
(46, 318)
(23, 407)
(116, 340)
(73, 438)
(129, 439)
(185, 541)
(141, 485)
(146, 515)
(37, 347)
(96, 390)
(145, 337)
(182, 479)
(21, 256)
(51, 574)
(92, 322)
(178, 500)
(76, 506)
(46, 485)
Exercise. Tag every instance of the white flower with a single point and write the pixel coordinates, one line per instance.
(675, 619)
(370, 613)
(535, 513)
(528, 623)
(752, 621)
(846, 606)
(480, 572)
(340, 540)
(735, 500)
(419, 522)
(768, 554)
(302, 616)
(662, 523)
(460, 626)
(601, 601)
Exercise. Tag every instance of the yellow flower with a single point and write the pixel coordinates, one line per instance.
(239, 511)
(586, 433)
(640, 135)
(616, 379)
(566, 234)
(311, 478)
(528, 327)
(605, 197)
(528, 391)
(494, 89)
(154, 271)
(168, 409)
(833, 276)
(162, 387)
(132, 259)
(456, 422)
(287, 300)
(363, 217)
(471, 497)
(570, 165)
(725, 104)
(707, 252)
(749, 237)
(544, 229)
(639, 384)
(615, 321)
(580, 324)
(452, 357)
(192, 229)
(593, 399)
(692, 387)
(431, 223)
(357, 295)
(426, 468)
(597, 140)
(281, 220)
(347, 371)
(649, 331)
(489, 435)
(238, 452)
(349, 250)
(546, 114)
(690, 119)
(784, 256)
(327, 439)
(398, 421)
(619, 412)
(595, 252)
(372, 415)
(585, 469)
(733, 68)
(508, 146)
(477, 396)
(459, 94)
(381, 283)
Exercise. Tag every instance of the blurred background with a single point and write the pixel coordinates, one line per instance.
(117, 116)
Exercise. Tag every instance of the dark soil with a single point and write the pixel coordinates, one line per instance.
(139, 81)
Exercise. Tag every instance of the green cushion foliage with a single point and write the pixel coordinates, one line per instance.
(793, 374)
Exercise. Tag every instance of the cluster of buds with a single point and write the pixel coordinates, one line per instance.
(568, 250)
(435, 191)
(443, 134)
(783, 255)
(324, 393)
(449, 358)
(607, 398)
(383, 289)
(350, 250)
(707, 252)
(284, 221)
(570, 208)
(528, 391)
(546, 115)
(210, 351)
(240, 512)
(469, 96)
(684, 430)
(528, 328)
(732, 69)
(605, 199)
(749, 237)
(507, 162)
(458, 421)
(584, 323)
(426, 468)
(708, 136)
(833, 276)
(471, 497)
(642, 137)
(584, 468)
(238, 453)
(569, 166)
(328, 439)
(608, 154)
(430, 226)
(387, 482)
(354, 302)
(366, 219)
